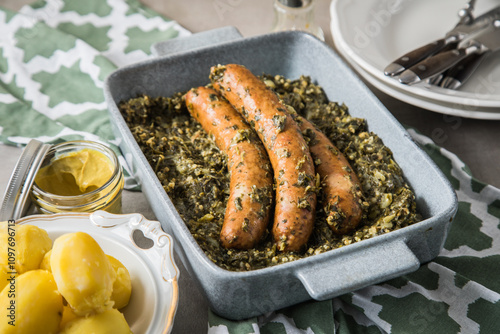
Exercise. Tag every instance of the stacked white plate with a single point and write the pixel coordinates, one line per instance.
(370, 34)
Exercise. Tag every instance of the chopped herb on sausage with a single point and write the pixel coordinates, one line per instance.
(279, 122)
(194, 173)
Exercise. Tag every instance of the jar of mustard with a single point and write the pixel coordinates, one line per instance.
(78, 176)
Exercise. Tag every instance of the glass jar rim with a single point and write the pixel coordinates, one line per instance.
(85, 144)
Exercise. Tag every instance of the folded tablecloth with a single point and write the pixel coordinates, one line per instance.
(54, 57)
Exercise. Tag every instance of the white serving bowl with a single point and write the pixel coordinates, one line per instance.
(153, 272)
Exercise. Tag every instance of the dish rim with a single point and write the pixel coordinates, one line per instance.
(133, 146)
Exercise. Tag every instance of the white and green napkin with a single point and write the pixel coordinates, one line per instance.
(54, 58)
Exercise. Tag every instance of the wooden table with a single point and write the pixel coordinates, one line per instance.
(476, 142)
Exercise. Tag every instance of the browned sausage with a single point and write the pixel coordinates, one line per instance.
(341, 187)
(287, 149)
(251, 183)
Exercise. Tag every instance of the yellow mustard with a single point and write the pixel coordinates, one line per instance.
(75, 173)
(82, 176)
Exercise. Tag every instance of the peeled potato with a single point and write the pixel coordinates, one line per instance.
(30, 245)
(122, 288)
(37, 306)
(45, 264)
(67, 316)
(4, 248)
(4, 276)
(110, 321)
(83, 273)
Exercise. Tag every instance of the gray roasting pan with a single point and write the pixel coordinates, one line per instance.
(184, 63)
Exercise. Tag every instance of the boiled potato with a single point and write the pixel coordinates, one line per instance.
(37, 304)
(123, 285)
(4, 276)
(83, 273)
(4, 247)
(108, 322)
(31, 244)
(45, 264)
(67, 316)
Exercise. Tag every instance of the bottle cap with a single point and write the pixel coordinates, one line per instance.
(291, 3)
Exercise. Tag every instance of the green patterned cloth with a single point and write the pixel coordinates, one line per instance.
(54, 57)
(458, 292)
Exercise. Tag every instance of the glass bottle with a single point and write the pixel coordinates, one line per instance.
(296, 15)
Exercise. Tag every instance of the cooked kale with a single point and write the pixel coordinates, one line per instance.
(194, 172)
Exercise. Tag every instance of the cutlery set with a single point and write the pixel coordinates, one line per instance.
(449, 61)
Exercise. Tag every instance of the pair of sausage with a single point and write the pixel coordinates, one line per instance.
(294, 174)
(291, 158)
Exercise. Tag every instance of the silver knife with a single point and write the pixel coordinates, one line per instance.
(482, 42)
(457, 34)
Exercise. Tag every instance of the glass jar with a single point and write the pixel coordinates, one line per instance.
(105, 194)
(296, 15)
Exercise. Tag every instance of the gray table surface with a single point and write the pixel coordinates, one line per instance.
(476, 142)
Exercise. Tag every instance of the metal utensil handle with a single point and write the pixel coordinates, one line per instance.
(413, 57)
(436, 64)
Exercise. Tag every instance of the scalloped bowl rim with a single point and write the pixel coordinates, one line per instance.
(154, 298)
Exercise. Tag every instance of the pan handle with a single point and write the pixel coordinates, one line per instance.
(372, 265)
(196, 41)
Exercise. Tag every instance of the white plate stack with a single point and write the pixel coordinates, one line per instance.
(370, 34)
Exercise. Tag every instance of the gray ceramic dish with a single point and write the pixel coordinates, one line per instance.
(182, 64)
